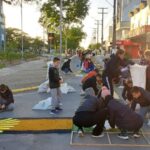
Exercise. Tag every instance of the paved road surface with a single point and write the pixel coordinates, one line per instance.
(24, 75)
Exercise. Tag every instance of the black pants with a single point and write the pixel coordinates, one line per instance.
(132, 123)
(89, 119)
(108, 83)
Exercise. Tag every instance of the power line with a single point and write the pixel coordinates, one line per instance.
(109, 3)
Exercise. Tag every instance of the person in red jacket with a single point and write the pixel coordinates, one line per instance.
(90, 75)
(6, 98)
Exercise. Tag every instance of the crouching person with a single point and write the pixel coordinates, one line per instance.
(142, 97)
(6, 99)
(122, 116)
(89, 114)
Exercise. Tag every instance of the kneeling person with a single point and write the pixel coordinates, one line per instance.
(89, 114)
(122, 116)
(6, 98)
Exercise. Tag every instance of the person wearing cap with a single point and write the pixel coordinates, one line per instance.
(89, 113)
(6, 98)
(121, 116)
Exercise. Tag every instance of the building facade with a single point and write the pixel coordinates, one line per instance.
(122, 17)
(2, 27)
(140, 25)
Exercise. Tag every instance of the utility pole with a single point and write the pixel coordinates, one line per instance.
(102, 25)
(60, 26)
(97, 24)
(21, 29)
(114, 26)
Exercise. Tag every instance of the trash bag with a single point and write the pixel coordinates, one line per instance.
(65, 88)
(44, 87)
(138, 75)
(43, 105)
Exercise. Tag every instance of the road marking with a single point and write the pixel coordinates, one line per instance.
(24, 89)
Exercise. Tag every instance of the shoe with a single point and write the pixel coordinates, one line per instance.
(60, 104)
(58, 109)
(80, 133)
(53, 112)
(123, 136)
(98, 136)
(136, 135)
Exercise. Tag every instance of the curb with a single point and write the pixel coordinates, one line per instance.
(25, 89)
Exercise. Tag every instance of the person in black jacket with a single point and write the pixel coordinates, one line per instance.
(89, 114)
(92, 82)
(142, 97)
(6, 98)
(126, 93)
(54, 83)
(66, 66)
(122, 116)
(112, 70)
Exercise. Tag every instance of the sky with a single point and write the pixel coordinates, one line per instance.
(31, 16)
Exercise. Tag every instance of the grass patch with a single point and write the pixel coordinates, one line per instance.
(2, 66)
(10, 57)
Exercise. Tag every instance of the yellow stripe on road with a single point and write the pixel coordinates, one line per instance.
(25, 89)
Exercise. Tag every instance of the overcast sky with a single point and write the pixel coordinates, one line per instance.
(31, 15)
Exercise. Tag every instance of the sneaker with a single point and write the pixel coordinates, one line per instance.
(123, 136)
(53, 112)
(136, 135)
(58, 109)
(80, 133)
(98, 136)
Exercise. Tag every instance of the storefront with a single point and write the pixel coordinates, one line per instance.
(131, 48)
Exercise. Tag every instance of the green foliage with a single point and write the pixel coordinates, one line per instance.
(75, 36)
(74, 11)
(13, 41)
(94, 46)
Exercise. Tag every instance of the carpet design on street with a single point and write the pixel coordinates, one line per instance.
(109, 139)
(41, 125)
(7, 124)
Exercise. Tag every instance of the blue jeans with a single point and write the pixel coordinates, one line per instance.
(144, 110)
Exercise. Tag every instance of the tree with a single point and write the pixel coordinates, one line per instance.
(75, 36)
(74, 11)
(30, 44)
(94, 46)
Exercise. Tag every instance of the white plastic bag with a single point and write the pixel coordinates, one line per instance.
(43, 105)
(65, 88)
(44, 87)
(138, 74)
